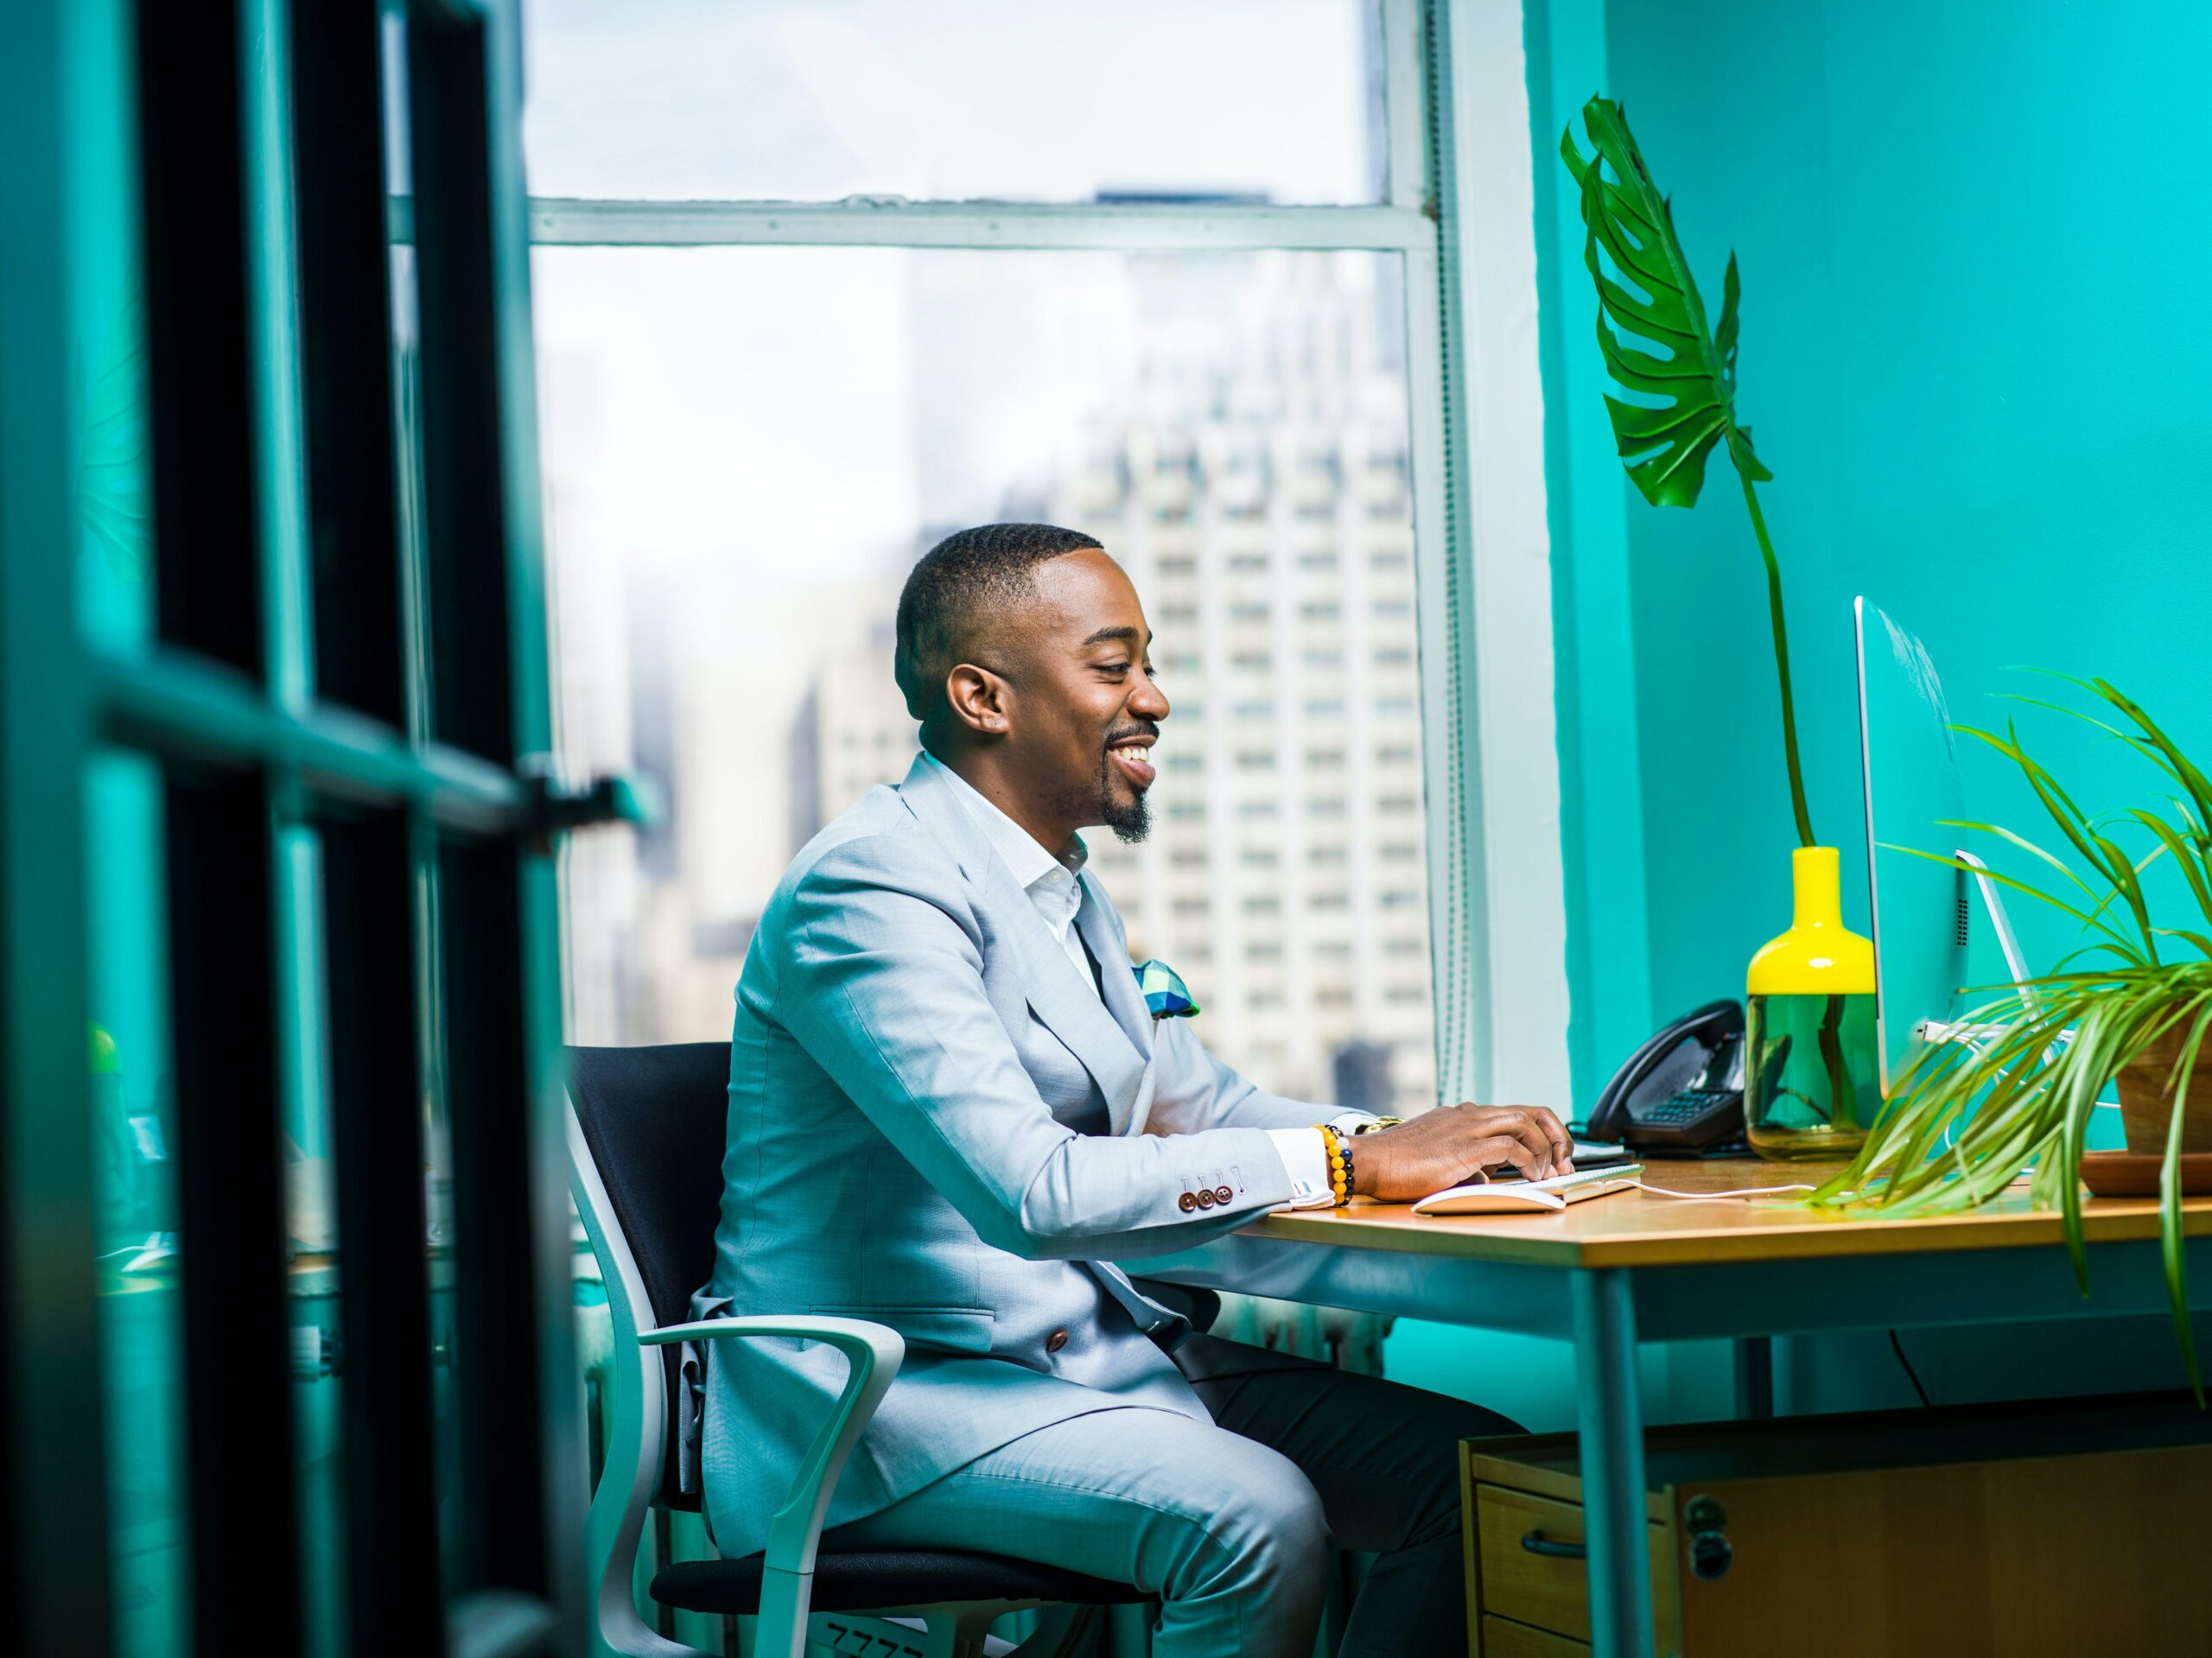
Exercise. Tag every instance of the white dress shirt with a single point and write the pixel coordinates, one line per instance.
(1056, 894)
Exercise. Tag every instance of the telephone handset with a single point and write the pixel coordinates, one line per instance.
(1683, 1089)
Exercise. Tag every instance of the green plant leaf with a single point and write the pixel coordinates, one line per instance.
(1689, 370)
(1692, 368)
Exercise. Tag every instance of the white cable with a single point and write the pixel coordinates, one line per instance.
(1718, 1196)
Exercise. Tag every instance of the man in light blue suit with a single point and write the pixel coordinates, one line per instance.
(950, 1112)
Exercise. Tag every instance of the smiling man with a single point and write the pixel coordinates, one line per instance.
(950, 1113)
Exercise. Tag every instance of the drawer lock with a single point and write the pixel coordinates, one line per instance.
(1711, 1553)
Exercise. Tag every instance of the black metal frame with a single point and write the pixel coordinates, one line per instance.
(338, 656)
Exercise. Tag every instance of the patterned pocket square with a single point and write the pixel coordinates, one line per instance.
(1164, 991)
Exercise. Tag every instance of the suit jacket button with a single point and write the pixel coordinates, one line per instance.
(1223, 1194)
(1056, 1341)
(1206, 1200)
(1187, 1202)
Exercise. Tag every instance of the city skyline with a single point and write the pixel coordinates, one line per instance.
(1234, 430)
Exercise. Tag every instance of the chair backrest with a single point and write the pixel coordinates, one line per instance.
(654, 1120)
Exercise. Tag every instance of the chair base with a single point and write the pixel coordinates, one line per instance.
(954, 1631)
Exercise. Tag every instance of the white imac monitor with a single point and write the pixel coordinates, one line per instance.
(1909, 765)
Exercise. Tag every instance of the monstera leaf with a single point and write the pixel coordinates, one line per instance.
(1665, 443)
(1665, 446)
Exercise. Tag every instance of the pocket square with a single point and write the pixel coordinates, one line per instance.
(1164, 991)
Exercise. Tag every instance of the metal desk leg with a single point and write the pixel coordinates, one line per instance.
(1611, 1423)
(1754, 1378)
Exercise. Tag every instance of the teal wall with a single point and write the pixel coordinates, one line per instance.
(1973, 241)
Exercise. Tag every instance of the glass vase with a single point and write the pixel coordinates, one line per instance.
(1812, 1082)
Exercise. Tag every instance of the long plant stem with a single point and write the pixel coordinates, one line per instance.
(1781, 667)
(1842, 1099)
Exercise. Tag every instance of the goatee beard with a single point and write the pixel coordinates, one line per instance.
(1131, 822)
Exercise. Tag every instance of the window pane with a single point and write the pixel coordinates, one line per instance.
(140, 1260)
(1028, 100)
(746, 448)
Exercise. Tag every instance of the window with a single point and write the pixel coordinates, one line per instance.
(750, 435)
(791, 100)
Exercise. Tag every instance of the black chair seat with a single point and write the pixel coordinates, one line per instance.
(860, 1580)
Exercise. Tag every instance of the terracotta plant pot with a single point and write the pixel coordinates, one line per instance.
(2146, 1099)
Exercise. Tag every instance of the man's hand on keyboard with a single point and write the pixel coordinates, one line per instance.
(1452, 1146)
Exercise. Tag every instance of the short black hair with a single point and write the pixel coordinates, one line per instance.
(966, 575)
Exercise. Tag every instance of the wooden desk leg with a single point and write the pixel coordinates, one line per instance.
(1611, 1427)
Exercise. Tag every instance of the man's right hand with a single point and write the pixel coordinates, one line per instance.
(1453, 1146)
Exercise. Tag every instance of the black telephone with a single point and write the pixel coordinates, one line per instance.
(1682, 1091)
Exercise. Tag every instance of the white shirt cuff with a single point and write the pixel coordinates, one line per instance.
(1306, 1155)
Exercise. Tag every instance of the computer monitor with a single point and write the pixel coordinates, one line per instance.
(1909, 765)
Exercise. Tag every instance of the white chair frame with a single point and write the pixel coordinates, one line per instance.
(636, 1446)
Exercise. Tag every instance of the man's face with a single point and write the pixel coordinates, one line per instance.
(1085, 711)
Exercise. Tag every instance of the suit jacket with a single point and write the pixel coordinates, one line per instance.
(929, 1127)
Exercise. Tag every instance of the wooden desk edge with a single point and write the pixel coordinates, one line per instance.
(1392, 1227)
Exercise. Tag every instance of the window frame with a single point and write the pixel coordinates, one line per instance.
(1458, 210)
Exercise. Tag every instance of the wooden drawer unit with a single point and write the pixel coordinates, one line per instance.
(2059, 1527)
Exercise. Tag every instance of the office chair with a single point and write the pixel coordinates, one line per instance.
(645, 1133)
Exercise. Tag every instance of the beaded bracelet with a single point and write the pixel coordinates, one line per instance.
(1340, 1164)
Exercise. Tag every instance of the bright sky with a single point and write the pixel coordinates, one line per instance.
(1025, 99)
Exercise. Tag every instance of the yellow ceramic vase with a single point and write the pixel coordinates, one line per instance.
(1812, 1081)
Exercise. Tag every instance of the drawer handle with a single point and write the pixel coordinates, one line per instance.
(1537, 1543)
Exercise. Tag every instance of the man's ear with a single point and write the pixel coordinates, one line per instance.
(980, 700)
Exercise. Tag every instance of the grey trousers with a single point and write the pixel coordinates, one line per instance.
(1230, 1524)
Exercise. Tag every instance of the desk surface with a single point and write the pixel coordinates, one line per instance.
(1638, 1228)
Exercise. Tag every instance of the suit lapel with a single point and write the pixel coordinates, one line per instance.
(1057, 991)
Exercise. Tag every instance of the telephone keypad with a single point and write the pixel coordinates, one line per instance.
(1687, 1106)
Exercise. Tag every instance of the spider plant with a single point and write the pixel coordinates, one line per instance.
(1967, 1117)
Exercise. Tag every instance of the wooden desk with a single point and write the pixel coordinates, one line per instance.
(1634, 1267)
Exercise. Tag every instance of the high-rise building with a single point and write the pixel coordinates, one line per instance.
(1258, 490)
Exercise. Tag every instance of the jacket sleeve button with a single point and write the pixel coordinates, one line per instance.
(1206, 1200)
(1223, 1194)
(1187, 1202)
(1056, 1341)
